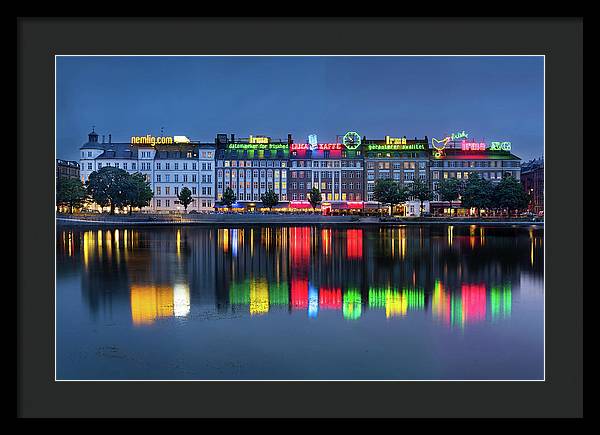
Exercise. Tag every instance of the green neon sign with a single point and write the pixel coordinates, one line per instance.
(396, 147)
(500, 146)
(257, 146)
(351, 140)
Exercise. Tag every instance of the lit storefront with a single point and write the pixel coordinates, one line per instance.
(251, 167)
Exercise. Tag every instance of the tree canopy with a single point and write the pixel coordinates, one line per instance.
(108, 187)
(70, 192)
(509, 194)
(450, 189)
(185, 197)
(137, 191)
(420, 191)
(270, 199)
(389, 192)
(477, 193)
(228, 197)
(314, 197)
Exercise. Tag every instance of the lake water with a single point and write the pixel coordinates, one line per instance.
(409, 302)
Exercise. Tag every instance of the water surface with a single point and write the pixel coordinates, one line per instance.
(407, 302)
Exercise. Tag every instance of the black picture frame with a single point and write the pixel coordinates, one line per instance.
(560, 40)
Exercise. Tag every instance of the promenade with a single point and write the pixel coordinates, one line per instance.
(228, 219)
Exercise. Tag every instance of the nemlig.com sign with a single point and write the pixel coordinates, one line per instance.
(151, 140)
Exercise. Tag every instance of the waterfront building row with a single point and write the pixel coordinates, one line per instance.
(345, 172)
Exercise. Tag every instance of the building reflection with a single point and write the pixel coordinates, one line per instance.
(455, 275)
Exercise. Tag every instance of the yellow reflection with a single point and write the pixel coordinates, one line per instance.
(86, 247)
(259, 296)
(450, 234)
(178, 242)
(472, 229)
(402, 233)
(149, 302)
(396, 304)
(109, 243)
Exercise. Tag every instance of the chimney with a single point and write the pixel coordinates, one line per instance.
(110, 138)
(232, 137)
(289, 139)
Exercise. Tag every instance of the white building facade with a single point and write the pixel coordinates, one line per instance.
(167, 167)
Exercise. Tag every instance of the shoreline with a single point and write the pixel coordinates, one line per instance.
(277, 220)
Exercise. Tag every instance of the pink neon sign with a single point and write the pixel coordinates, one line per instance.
(472, 146)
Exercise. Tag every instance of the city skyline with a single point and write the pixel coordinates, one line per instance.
(375, 96)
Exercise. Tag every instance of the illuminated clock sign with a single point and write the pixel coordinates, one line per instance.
(500, 146)
(257, 146)
(396, 147)
(151, 140)
(319, 146)
(351, 140)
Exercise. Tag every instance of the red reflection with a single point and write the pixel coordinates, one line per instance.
(299, 246)
(299, 290)
(354, 240)
(330, 298)
(473, 302)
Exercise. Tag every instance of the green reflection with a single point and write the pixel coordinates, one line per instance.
(278, 294)
(351, 304)
(501, 301)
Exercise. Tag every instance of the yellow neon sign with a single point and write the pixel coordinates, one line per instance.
(258, 139)
(151, 140)
(395, 140)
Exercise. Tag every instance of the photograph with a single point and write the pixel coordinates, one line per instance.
(299, 217)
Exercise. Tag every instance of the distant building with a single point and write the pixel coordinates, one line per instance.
(532, 177)
(66, 169)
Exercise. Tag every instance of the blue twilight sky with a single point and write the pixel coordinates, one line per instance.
(491, 98)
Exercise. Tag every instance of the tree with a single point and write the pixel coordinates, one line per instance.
(228, 197)
(449, 189)
(185, 197)
(477, 193)
(421, 191)
(137, 191)
(509, 194)
(70, 192)
(389, 192)
(270, 199)
(315, 198)
(108, 187)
